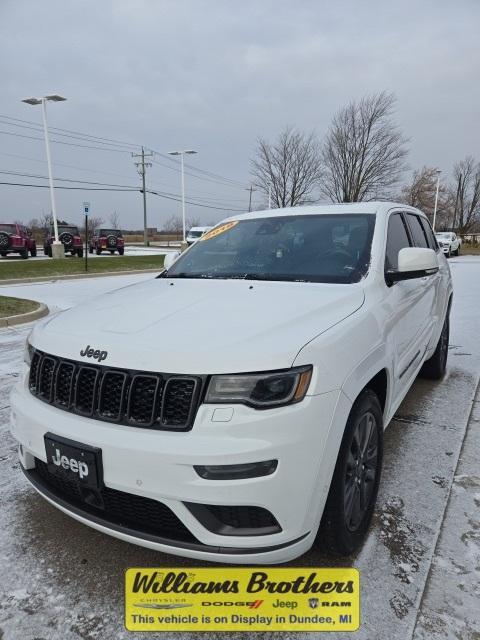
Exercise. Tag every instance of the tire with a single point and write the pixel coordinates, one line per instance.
(90, 249)
(98, 252)
(3, 254)
(434, 368)
(49, 251)
(112, 251)
(33, 252)
(121, 251)
(24, 253)
(354, 487)
(80, 253)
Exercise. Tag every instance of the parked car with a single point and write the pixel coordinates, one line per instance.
(240, 448)
(69, 236)
(107, 240)
(196, 233)
(449, 243)
(16, 238)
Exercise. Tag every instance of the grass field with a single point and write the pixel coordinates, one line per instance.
(15, 306)
(49, 268)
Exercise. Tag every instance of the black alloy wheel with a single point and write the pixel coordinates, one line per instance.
(354, 487)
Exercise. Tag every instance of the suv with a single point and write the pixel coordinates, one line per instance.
(15, 238)
(69, 236)
(241, 448)
(449, 242)
(195, 234)
(108, 240)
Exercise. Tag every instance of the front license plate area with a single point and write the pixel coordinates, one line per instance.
(74, 461)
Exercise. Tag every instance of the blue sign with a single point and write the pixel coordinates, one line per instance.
(86, 208)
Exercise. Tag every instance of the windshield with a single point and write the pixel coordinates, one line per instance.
(195, 234)
(444, 235)
(306, 248)
(67, 229)
(8, 228)
(109, 232)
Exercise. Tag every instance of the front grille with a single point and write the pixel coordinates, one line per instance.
(142, 514)
(135, 398)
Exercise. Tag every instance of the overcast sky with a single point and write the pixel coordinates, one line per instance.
(214, 75)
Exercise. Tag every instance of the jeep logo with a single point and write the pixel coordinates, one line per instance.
(96, 354)
(77, 466)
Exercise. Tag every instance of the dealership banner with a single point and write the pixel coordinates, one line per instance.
(253, 599)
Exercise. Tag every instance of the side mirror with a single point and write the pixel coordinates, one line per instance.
(414, 262)
(170, 259)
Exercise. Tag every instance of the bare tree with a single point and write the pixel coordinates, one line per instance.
(290, 168)
(467, 194)
(192, 222)
(364, 151)
(114, 220)
(173, 224)
(420, 192)
(93, 223)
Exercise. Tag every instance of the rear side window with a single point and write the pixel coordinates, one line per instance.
(418, 235)
(432, 243)
(397, 238)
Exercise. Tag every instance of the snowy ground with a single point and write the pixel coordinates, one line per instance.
(420, 567)
(130, 250)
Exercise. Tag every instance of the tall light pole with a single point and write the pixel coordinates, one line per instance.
(58, 250)
(182, 154)
(438, 172)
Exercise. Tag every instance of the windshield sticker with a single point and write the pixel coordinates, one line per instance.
(218, 230)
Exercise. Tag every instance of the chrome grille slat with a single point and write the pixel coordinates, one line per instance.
(122, 396)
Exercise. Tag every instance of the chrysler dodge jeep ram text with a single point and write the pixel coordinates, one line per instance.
(249, 446)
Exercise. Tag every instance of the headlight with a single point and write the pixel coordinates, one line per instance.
(28, 351)
(261, 390)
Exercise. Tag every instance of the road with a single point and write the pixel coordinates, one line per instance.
(419, 567)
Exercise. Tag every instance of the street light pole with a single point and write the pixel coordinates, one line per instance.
(58, 250)
(438, 172)
(182, 154)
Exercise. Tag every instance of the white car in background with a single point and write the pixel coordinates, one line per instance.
(449, 242)
(239, 448)
(196, 233)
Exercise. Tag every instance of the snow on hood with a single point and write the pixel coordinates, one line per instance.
(200, 326)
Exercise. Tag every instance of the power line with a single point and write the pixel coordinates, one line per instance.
(195, 204)
(70, 131)
(70, 144)
(46, 186)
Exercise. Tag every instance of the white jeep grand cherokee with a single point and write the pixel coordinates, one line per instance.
(243, 446)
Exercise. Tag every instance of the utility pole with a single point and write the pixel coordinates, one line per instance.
(141, 167)
(251, 189)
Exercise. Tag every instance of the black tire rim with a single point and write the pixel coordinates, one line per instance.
(361, 471)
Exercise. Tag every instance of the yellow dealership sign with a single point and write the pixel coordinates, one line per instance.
(254, 599)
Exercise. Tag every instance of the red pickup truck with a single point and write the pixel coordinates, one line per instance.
(16, 238)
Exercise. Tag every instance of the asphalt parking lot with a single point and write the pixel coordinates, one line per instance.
(420, 567)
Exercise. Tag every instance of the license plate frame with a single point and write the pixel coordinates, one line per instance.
(74, 461)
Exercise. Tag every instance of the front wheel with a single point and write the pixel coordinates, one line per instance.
(434, 368)
(24, 253)
(33, 252)
(121, 252)
(80, 253)
(354, 486)
(98, 252)
(90, 249)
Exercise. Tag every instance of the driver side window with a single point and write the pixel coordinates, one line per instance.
(397, 238)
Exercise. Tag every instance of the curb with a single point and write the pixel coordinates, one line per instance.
(78, 276)
(23, 318)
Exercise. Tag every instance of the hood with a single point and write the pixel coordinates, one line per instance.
(199, 326)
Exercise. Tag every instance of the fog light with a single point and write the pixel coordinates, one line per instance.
(237, 471)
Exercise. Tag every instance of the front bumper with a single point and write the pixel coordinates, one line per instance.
(159, 465)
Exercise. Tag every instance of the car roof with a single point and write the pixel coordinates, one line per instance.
(374, 207)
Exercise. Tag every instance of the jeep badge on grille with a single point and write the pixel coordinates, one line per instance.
(96, 354)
